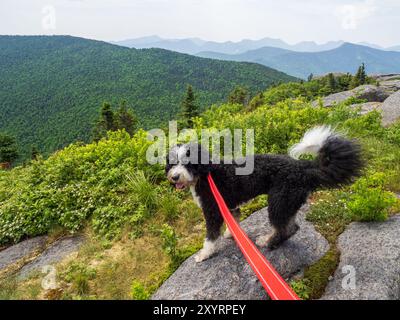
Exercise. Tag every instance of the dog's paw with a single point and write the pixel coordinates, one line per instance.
(201, 256)
(227, 234)
(262, 241)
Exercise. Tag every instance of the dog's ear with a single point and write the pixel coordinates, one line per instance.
(204, 166)
(172, 156)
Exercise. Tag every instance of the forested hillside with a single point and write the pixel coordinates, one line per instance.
(51, 88)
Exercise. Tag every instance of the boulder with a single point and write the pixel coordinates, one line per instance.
(227, 275)
(391, 109)
(370, 93)
(367, 106)
(370, 252)
(23, 250)
(56, 252)
(387, 77)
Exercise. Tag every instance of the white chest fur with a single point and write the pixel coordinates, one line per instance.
(196, 198)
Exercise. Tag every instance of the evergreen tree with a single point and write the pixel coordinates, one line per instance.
(362, 74)
(125, 119)
(239, 95)
(35, 153)
(332, 82)
(360, 77)
(310, 77)
(8, 149)
(189, 108)
(105, 123)
(256, 102)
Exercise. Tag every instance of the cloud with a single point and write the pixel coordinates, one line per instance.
(351, 15)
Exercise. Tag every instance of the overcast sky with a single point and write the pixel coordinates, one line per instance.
(374, 21)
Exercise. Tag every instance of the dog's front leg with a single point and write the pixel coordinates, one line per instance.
(208, 250)
(213, 223)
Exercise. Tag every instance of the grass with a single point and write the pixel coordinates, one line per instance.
(118, 269)
(126, 268)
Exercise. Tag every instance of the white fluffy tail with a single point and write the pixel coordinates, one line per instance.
(312, 141)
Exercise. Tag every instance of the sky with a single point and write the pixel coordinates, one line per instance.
(373, 21)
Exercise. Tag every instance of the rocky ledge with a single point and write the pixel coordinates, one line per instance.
(228, 276)
(369, 267)
(384, 98)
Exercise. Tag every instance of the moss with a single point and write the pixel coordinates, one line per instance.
(317, 275)
(330, 219)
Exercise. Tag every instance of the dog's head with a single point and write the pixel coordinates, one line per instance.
(186, 164)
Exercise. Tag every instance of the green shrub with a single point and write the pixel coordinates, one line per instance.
(368, 201)
(79, 275)
(143, 190)
(138, 291)
(170, 241)
(301, 288)
(393, 133)
(168, 205)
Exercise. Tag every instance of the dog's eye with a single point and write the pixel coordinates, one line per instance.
(188, 153)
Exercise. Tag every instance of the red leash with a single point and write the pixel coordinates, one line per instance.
(272, 282)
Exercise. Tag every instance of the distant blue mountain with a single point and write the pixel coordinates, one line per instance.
(346, 58)
(196, 45)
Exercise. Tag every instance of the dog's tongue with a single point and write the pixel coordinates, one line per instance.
(179, 186)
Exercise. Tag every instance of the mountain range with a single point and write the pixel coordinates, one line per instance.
(346, 58)
(196, 45)
(52, 87)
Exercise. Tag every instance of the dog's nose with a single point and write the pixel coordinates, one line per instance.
(175, 177)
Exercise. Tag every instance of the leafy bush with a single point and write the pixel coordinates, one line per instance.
(76, 184)
(138, 291)
(168, 205)
(170, 241)
(368, 200)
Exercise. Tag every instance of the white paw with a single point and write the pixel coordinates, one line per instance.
(206, 252)
(201, 256)
(262, 241)
(227, 234)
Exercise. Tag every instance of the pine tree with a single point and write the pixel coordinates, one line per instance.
(8, 150)
(310, 77)
(108, 117)
(35, 153)
(189, 108)
(362, 74)
(360, 77)
(256, 102)
(239, 95)
(106, 122)
(125, 119)
(332, 85)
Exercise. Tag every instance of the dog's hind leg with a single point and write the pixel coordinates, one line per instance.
(236, 215)
(282, 210)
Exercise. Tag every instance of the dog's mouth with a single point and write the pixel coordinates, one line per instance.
(180, 186)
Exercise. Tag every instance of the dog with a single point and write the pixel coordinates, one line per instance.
(286, 179)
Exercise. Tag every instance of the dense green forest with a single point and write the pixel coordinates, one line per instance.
(51, 87)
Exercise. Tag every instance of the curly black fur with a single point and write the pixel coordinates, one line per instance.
(287, 181)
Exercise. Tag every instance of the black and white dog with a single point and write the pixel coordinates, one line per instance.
(287, 181)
